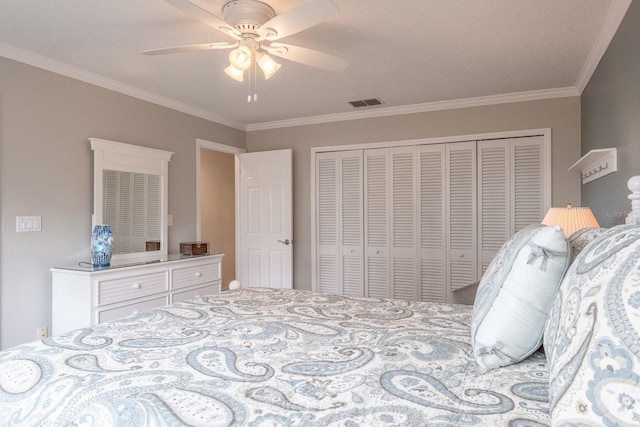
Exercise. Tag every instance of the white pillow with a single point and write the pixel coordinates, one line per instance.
(515, 295)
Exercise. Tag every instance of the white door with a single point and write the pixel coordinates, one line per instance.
(404, 228)
(462, 218)
(339, 219)
(265, 232)
(433, 218)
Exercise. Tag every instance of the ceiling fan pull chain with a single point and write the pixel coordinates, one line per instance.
(249, 83)
(255, 80)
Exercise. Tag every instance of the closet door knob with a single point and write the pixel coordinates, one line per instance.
(197, 274)
(136, 286)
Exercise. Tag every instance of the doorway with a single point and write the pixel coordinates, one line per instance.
(216, 214)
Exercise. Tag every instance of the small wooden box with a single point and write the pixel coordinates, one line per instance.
(153, 245)
(194, 248)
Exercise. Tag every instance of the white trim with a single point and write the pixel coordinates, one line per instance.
(39, 61)
(437, 140)
(215, 146)
(614, 17)
(420, 108)
(314, 251)
(544, 132)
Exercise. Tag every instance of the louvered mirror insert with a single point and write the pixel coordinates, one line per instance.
(131, 207)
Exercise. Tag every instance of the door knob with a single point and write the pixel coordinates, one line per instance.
(285, 242)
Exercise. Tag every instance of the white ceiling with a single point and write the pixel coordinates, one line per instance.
(412, 54)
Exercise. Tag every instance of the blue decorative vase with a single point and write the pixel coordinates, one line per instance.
(101, 246)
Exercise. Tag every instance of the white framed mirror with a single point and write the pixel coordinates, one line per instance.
(130, 194)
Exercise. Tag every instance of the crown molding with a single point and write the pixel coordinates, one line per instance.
(420, 108)
(39, 61)
(616, 13)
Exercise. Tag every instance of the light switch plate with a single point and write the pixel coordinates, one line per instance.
(28, 223)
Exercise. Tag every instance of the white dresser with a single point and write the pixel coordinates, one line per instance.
(82, 297)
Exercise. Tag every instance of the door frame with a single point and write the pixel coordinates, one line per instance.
(216, 146)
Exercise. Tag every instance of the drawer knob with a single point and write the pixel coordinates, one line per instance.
(197, 274)
(136, 286)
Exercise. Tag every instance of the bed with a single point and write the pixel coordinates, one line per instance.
(283, 357)
(265, 357)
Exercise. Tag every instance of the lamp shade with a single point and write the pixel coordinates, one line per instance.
(570, 219)
(240, 58)
(234, 73)
(268, 66)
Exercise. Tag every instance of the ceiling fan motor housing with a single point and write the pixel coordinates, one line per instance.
(247, 15)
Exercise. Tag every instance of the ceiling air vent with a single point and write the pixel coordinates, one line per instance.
(365, 102)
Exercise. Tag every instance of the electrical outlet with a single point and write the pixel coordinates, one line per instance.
(42, 333)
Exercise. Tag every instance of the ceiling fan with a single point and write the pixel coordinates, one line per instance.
(256, 28)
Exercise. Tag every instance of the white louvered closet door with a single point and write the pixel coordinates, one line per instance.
(432, 218)
(376, 223)
(528, 193)
(495, 222)
(351, 188)
(511, 191)
(461, 214)
(339, 216)
(404, 223)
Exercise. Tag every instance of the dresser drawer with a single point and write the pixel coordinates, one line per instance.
(194, 275)
(211, 289)
(128, 288)
(129, 309)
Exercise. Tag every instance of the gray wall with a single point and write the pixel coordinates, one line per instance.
(611, 118)
(46, 169)
(562, 115)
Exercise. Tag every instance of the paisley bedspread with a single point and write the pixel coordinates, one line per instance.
(266, 357)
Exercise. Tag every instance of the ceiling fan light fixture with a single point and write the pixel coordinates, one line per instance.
(268, 66)
(240, 58)
(234, 73)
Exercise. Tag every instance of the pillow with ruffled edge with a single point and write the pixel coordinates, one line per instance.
(594, 359)
(577, 241)
(515, 295)
(581, 238)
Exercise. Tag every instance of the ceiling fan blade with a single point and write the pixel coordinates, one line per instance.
(189, 48)
(297, 19)
(205, 16)
(306, 56)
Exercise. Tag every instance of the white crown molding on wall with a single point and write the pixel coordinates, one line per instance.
(616, 13)
(39, 61)
(421, 108)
